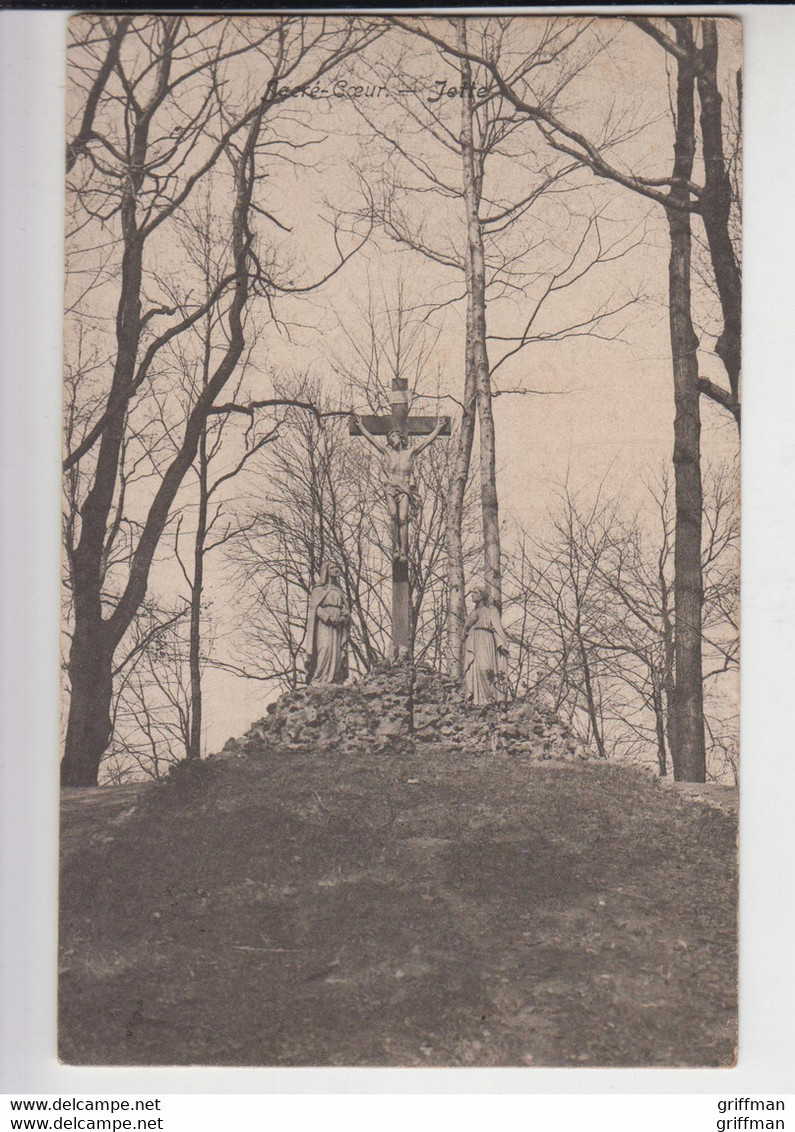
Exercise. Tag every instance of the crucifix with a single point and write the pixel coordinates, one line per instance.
(397, 458)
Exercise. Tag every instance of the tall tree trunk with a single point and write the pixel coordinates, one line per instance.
(668, 681)
(197, 584)
(590, 699)
(688, 753)
(659, 723)
(476, 300)
(715, 202)
(196, 589)
(456, 581)
(89, 728)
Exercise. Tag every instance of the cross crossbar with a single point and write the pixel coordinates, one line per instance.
(417, 426)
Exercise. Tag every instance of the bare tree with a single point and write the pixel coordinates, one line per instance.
(717, 200)
(590, 606)
(101, 41)
(165, 117)
(221, 457)
(681, 198)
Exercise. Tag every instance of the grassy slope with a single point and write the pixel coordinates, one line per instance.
(294, 910)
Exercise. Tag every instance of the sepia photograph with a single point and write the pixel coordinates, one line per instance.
(401, 541)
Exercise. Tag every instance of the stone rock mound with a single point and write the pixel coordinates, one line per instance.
(398, 704)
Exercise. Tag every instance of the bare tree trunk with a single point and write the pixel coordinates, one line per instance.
(197, 586)
(91, 693)
(715, 201)
(590, 699)
(659, 725)
(688, 753)
(197, 583)
(476, 303)
(668, 685)
(456, 581)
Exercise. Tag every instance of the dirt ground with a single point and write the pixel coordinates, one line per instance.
(402, 909)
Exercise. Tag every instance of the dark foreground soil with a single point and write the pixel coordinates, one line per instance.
(398, 910)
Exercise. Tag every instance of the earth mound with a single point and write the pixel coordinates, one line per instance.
(416, 905)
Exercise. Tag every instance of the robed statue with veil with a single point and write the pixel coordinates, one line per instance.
(327, 625)
(485, 652)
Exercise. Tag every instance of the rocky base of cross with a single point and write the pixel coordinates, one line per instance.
(398, 704)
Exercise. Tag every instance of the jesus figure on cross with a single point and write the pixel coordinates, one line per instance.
(398, 466)
(397, 462)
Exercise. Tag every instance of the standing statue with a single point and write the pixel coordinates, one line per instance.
(327, 630)
(485, 652)
(397, 461)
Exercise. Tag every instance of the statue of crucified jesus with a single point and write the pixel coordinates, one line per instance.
(397, 462)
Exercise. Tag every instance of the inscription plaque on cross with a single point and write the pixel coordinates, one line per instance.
(390, 437)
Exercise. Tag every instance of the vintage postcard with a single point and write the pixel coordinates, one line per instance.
(401, 541)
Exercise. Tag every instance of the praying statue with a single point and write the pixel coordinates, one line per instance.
(485, 652)
(327, 630)
(397, 462)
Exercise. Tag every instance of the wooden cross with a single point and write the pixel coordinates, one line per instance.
(399, 421)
